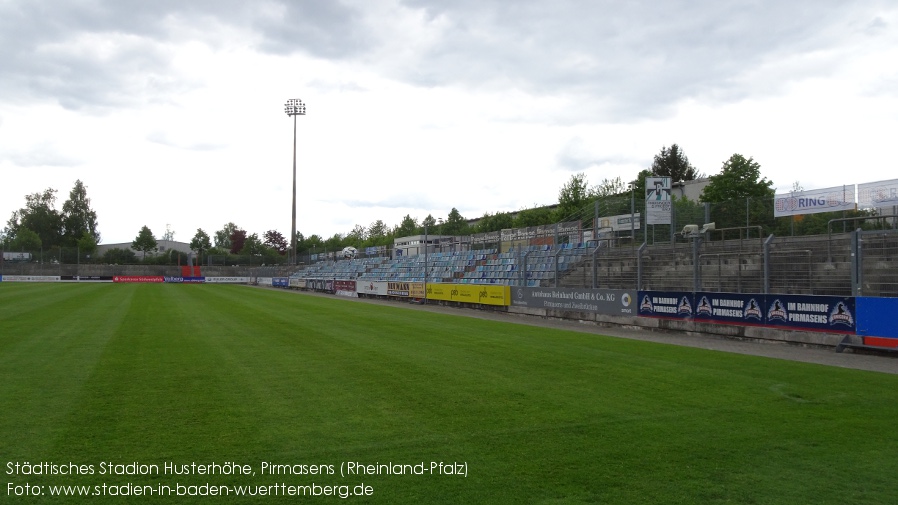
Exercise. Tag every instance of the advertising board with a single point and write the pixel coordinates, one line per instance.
(822, 313)
(345, 288)
(406, 289)
(814, 201)
(31, 278)
(666, 304)
(138, 278)
(729, 308)
(372, 288)
(612, 302)
(469, 293)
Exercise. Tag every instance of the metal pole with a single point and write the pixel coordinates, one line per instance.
(640, 251)
(425, 263)
(294, 107)
(632, 214)
(293, 226)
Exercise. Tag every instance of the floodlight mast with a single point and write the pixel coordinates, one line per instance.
(294, 107)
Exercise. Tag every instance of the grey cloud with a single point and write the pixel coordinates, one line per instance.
(42, 60)
(638, 58)
(618, 61)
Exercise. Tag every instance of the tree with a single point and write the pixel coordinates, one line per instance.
(407, 227)
(78, 219)
(334, 243)
(25, 240)
(40, 216)
(455, 224)
(357, 235)
(236, 240)
(199, 243)
(276, 241)
(145, 242)
(428, 223)
(673, 163)
(223, 236)
(496, 222)
(572, 197)
(314, 242)
(378, 233)
(533, 217)
(87, 245)
(252, 245)
(116, 256)
(739, 178)
(169, 233)
(609, 187)
(739, 195)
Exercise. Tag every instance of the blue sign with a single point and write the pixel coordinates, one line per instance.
(822, 313)
(280, 282)
(667, 304)
(176, 280)
(729, 308)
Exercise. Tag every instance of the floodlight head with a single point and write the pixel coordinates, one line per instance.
(707, 227)
(690, 229)
(295, 107)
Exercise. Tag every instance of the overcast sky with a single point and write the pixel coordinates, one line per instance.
(172, 112)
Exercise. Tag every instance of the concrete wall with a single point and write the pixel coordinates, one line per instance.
(809, 338)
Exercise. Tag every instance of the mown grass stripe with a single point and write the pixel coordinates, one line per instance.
(225, 373)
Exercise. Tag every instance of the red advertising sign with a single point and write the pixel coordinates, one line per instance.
(344, 286)
(138, 278)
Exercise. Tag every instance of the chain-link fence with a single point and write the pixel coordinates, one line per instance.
(877, 274)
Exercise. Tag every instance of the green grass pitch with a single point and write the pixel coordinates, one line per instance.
(214, 375)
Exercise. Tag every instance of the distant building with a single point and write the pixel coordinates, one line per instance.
(415, 244)
(689, 189)
(164, 246)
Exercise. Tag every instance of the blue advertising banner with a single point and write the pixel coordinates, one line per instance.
(833, 314)
(821, 313)
(194, 280)
(729, 308)
(670, 304)
(280, 282)
(176, 280)
(876, 317)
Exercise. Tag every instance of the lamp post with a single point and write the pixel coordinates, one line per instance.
(633, 212)
(294, 107)
(425, 261)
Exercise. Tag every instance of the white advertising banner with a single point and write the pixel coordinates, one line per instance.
(877, 194)
(31, 278)
(618, 223)
(373, 288)
(227, 280)
(814, 201)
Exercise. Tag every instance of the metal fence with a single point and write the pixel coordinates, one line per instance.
(859, 263)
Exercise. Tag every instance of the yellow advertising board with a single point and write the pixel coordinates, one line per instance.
(470, 293)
